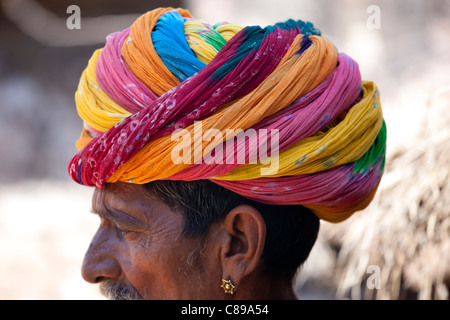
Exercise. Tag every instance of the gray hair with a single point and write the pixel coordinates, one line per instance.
(291, 231)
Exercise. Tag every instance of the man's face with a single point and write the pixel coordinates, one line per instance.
(138, 250)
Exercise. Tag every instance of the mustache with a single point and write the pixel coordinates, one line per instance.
(116, 291)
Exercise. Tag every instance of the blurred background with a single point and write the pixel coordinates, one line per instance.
(404, 235)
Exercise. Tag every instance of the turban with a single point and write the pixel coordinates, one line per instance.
(169, 78)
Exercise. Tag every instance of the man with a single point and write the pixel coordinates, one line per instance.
(215, 150)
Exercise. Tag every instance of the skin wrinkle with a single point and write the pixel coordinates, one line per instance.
(140, 254)
(114, 206)
(168, 261)
(192, 257)
(230, 221)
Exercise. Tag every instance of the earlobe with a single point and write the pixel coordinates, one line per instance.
(243, 246)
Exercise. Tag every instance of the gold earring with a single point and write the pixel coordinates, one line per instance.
(228, 286)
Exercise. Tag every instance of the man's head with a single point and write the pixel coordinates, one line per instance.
(179, 217)
(177, 240)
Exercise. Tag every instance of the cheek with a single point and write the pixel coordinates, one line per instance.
(155, 270)
(167, 271)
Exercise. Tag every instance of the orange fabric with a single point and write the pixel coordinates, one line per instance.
(84, 139)
(333, 134)
(295, 76)
(141, 58)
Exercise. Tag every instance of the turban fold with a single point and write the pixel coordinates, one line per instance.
(153, 85)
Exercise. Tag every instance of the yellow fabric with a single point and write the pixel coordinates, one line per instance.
(228, 30)
(98, 110)
(94, 106)
(203, 50)
(295, 76)
(305, 65)
(339, 145)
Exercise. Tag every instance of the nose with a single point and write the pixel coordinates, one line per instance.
(100, 261)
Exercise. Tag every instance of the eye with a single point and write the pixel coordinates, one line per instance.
(122, 232)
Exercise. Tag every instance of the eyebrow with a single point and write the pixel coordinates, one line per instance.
(119, 217)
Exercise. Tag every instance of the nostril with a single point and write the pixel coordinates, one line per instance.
(97, 268)
(100, 261)
(99, 279)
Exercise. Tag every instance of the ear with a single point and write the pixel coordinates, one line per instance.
(243, 242)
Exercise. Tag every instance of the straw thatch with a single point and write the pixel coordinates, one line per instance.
(405, 232)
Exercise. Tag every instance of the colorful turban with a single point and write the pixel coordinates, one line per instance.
(169, 78)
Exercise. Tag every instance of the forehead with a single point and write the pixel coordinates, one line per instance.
(121, 194)
(122, 190)
(132, 199)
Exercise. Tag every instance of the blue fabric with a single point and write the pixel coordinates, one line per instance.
(170, 43)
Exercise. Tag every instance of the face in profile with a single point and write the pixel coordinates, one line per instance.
(139, 251)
